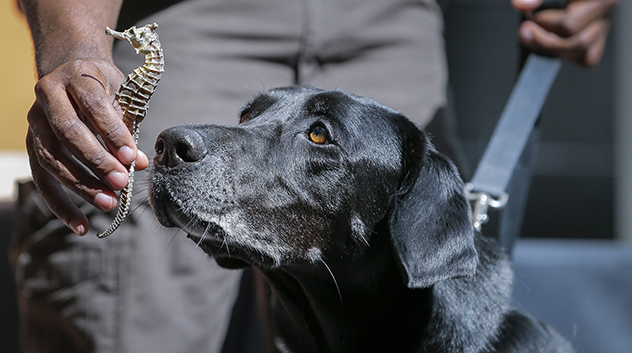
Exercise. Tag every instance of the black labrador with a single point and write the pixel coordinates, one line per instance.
(360, 227)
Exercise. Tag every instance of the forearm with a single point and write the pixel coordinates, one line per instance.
(65, 30)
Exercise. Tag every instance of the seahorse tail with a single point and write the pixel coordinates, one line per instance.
(125, 203)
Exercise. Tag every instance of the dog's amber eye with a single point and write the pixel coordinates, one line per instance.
(319, 135)
(244, 117)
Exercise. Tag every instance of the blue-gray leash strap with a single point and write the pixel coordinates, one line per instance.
(488, 187)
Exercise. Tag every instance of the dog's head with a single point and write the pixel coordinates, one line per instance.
(310, 174)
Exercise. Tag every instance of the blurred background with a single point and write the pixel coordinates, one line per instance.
(573, 264)
(17, 77)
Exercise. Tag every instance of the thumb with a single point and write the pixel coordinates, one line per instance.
(526, 5)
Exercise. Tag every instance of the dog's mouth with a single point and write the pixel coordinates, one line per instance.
(208, 236)
(203, 232)
(172, 214)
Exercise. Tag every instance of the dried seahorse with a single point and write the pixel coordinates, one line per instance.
(133, 98)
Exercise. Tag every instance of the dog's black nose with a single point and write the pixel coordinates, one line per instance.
(179, 145)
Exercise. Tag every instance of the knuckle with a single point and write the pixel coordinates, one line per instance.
(42, 161)
(44, 156)
(79, 66)
(114, 132)
(567, 27)
(43, 87)
(76, 138)
(99, 159)
(66, 128)
(96, 104)
(581, 45)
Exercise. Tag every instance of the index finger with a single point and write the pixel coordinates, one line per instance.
(98, 110)
(92, 97)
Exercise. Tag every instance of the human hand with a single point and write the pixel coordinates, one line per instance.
(577, 33)
(73, 103)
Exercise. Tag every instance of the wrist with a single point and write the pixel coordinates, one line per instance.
(68, 30)
(47, 60)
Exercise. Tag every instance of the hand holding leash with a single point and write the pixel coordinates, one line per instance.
(576, 33)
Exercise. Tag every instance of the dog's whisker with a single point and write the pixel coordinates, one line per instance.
(182, 210)
(364, 240)
(339, 82)
(201, 240)
(255, 93)
(227, 249)
(144, 209)
(171, 241)
(334, 278)
(140, 190)
(203, 236)
(145, 206)
(189, 223)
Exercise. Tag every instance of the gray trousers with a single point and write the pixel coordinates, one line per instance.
(147, 288)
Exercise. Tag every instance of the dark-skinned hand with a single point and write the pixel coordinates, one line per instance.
(577, 33)
(73, 103)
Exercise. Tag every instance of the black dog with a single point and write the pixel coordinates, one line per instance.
(360, 227)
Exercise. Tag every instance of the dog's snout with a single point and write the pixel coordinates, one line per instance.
(179, 145)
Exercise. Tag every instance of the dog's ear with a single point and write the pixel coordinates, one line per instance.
(430, 221)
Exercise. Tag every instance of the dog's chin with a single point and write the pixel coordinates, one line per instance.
(158, 204)
(225, 257)
(231, 256)
(208, 236)
(164, 213)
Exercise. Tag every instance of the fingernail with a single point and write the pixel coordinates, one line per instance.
(526, 34)
(126, 154)
(528, 3)
(105, 202)
(142, 153)
(77, 227)
(117, 180)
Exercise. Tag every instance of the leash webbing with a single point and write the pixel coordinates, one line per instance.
(488, 188)
(507, 162)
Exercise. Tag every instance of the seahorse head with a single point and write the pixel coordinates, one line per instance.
(141, 37)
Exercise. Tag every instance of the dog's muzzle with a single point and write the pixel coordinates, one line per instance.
(176, 149)
(179, 146)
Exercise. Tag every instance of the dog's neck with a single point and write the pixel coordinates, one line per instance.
(368, 307)
(331, 306)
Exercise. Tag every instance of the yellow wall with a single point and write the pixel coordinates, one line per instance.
(17, 76)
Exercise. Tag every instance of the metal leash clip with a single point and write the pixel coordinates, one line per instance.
(481, 203)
